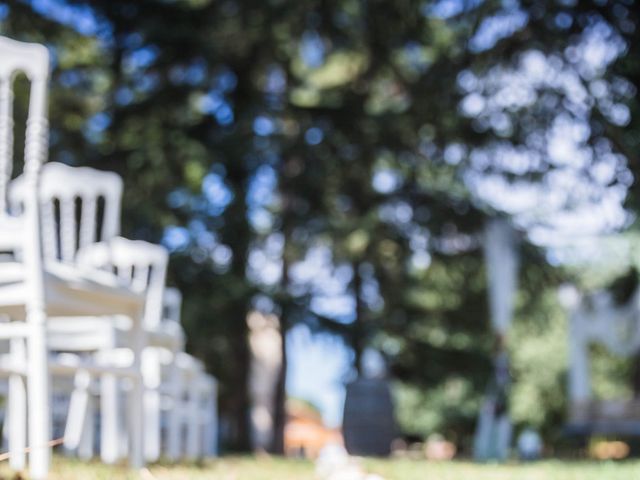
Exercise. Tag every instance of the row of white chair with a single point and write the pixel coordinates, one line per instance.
(85, 313)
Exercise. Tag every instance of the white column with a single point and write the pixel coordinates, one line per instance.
(579, 366)
(493, 430)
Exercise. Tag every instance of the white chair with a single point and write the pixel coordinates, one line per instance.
(144, 266)
(192, 399)
(33, 61)
(192, 371)
(172, 386)
(197, 409)
(70, 200)
(209, 416)
(175, 382)
(80, 206)
(39, 287)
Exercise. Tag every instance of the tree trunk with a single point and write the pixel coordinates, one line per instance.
(636, 376)
(280, 417)
(357, 339)
(237, 235)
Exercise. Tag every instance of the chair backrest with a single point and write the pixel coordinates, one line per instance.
(79, 206)
(32, 60)
(142, 265)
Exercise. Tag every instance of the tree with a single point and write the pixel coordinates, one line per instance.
(377, 129)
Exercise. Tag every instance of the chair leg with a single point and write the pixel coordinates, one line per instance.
(39, 401)
(193, 424)
(16, 415)
(210, 445)
(136, 422)
(152, 425)
(77, 417)
(151, 374)
(85, 448)
(109, 419)
(136, 399)
(174, 427)
(215, 419)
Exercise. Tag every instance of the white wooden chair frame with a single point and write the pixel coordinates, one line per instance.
(47, 287)
(197, 410)
(35, 289)
(133, 260)
(165, 338)
(66, 234)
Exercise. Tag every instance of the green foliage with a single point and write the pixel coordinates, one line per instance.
(448, 408)
(538, 347)
(611, 375)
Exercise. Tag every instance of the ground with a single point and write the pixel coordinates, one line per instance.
(246, 468)
(548, 470)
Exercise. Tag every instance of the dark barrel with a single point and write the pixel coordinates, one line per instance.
(368, 424)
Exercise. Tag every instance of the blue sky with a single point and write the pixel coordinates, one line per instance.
(318, 366)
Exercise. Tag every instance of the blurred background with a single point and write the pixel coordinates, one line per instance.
(322, 172)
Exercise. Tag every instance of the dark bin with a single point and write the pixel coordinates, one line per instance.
(368, 424)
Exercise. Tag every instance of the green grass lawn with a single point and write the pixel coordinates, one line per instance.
(227, 468)
(547, 470)
(247, 468)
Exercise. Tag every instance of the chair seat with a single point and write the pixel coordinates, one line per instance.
(85, 334)
(168, 334)
(12, 236)
(69, 291)
(81, 334)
